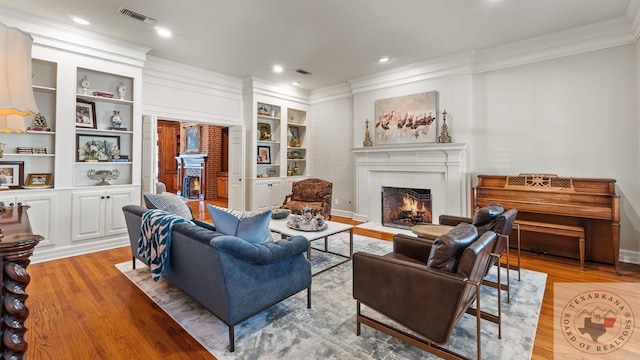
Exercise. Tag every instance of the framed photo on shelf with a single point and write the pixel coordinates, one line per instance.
(264, 132)
(99, 147)
(11, 173)
(264, 155)
(38, 180)
(85, 114)
(193, 138)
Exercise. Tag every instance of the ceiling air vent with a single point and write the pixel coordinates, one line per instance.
(136, 15)
(303, 72)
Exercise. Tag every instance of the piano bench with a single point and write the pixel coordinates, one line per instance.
(556, 229)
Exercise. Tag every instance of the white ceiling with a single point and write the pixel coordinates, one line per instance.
(336, 40)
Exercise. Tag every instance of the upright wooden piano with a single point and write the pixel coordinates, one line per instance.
(557, 203)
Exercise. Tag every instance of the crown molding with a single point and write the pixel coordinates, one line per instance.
(329, 93)
(286, 92)
(633, 14)
(55, 35)
(597, 36)
(615, 32)
(455, 64)
(159, 70)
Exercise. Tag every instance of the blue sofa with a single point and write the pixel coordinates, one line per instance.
(232, 278)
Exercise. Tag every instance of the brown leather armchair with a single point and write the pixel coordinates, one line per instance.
(492, 217)
(314, 193)
(401, 286)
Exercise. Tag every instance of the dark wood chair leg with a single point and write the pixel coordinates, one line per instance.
(309, 297)
(133, 259)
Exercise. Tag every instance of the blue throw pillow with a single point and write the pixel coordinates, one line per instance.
(251, 226)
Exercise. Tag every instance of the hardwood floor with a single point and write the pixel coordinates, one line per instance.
(83, 307)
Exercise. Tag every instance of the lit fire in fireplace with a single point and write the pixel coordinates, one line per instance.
(405, 207)
(414, 206)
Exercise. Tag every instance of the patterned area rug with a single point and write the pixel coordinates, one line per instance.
(289, 330)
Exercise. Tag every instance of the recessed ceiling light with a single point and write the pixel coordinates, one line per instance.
(295, 83)
(277, 68)
(79, 20)
(163, 32)
(384, 59)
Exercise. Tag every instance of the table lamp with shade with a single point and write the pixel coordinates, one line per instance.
(16, 91)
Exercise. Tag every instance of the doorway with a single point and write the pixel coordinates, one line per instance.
(168, 148)
(212, 142)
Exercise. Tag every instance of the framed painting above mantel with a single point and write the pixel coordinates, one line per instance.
(193, 139)
(407, 119)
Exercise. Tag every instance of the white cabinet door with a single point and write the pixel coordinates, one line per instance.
(99, 212)
(88, 208)
(262, 196)
(115, 200)
(276, 195)
(41, 214)
(268, 195)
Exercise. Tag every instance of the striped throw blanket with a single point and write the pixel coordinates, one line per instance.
(155, 240)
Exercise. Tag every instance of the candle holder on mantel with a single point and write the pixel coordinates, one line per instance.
(367, 136)
(444, 136)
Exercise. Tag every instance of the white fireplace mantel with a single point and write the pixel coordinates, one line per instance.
(439, 167)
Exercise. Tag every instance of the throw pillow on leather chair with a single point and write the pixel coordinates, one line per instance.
(485, 218)
(447, 248)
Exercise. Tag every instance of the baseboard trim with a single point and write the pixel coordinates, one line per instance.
(629, 256)
(69, 251)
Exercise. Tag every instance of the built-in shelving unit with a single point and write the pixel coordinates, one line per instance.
(70, 211)
(278, 146)
(296, 142)
(267, 130)
(36, 149)
(116, 138)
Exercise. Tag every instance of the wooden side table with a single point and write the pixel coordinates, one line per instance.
(430, 231)
(16, 246)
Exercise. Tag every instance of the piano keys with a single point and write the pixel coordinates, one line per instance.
(547, 198)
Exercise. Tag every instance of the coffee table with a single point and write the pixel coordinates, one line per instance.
(280, 227)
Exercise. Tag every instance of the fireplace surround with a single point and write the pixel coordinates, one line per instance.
(442, 168)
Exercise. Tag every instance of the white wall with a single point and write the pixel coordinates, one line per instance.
(332, 130)
(575, 116)
(454, 96)
(572, 116)
(175, 91)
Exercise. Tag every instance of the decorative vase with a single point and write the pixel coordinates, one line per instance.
(121, 90)
(116, 119)
(272, 111)
(90, 160)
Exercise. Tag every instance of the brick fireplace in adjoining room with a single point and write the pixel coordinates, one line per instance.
(440, 168)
